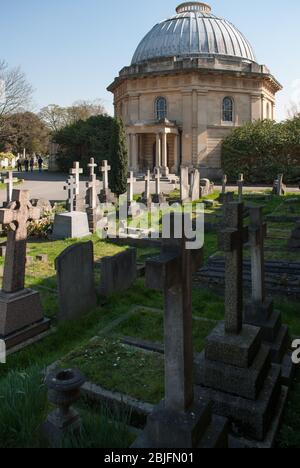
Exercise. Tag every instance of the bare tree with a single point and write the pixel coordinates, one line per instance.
(15, 91)
(294, 110)
(57, 117)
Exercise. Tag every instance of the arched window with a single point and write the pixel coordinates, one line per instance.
(228, 110)
(161, 108)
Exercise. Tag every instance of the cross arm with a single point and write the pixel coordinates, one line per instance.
(7, 216)
(34, 213)
(163, 272)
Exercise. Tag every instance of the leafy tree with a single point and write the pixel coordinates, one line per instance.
(25, 130)
(262, 150)
(118, 158)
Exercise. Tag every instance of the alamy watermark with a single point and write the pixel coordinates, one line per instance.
(160, 221)
(296, 353)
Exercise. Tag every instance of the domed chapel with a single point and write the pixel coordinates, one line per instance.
(192, 79)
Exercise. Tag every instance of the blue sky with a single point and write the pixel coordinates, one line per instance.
(72, 49)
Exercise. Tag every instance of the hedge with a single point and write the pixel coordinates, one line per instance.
(263, 149)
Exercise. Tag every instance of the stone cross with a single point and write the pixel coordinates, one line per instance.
(130, 189)
(184, 184)
(257, 234)
(224, 183)
(91, 186)
(240, 184)
(76, 171)
(157, 181)
(105, 168)
(147, 185)
(71, 187)
(172, 272)
(16, 216)
(231, 240)
(9, 181)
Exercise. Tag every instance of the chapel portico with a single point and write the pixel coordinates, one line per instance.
(154, 144)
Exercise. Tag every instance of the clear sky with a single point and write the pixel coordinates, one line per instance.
(73, 49)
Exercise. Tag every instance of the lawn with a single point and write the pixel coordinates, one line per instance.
(106, 360)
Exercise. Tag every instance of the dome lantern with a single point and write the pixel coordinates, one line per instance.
(193, 6)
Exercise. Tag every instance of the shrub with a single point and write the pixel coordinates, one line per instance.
(41, 228)
(118, 159)
(262, 150)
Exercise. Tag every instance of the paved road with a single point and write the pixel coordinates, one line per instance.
(50, 185)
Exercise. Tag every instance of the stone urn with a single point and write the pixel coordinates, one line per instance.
(63, 391)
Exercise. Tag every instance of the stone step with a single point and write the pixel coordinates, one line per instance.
(245, 383)
(288, 370)
(270, 328)
(250, 419)
(280, 345)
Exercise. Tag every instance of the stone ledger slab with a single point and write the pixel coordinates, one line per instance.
(71, 225)
(21, 317)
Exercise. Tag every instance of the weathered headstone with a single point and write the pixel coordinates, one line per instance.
(206, 187)
(184, 184)
(235, 370)
(240, 184)
(76, 284)
(106, 196)
(44, 206)
(180, 420)
(72, 224)
(260, 311)
(9, 181)
(79, 203)
(118, 273)
(21, 315)
(195, 186)
(224, 185)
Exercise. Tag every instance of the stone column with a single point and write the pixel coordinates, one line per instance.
(158, 150)
(165, 169)
(176, 154)
(129, 150)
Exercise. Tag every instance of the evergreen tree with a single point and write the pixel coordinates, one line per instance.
(118, 158)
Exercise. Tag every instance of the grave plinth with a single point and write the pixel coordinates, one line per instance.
(182, 419)
(21, 315)
(235, 370)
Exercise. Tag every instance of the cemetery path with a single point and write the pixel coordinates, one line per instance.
(51, 186)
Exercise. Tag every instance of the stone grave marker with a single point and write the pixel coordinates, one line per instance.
(79, 202)
(235, 370)
(184, 184)
(21, 315)
(118, 273)
(181, 420)
(294, 242)
(76, 284)
(106, 196)
(146, 198)
(9, 181)
(92, 201)
(260, 311)
(158, 196)
(279, 188)
(195, 186)
(72, 224)
(224, 185)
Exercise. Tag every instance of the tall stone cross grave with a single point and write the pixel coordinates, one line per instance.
(147, 185)
(71, 188)
(224, 184)
(16, 216)
(157, 181)
(76, 171)
(91, 186)
(231, 240)
(257, 234)
(172, 272)
(105, 168)
(9, 181)
(130, 187)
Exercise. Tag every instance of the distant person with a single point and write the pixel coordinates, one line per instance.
(19, 164)
(32, 164)
(40, 163)
(26, 165)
